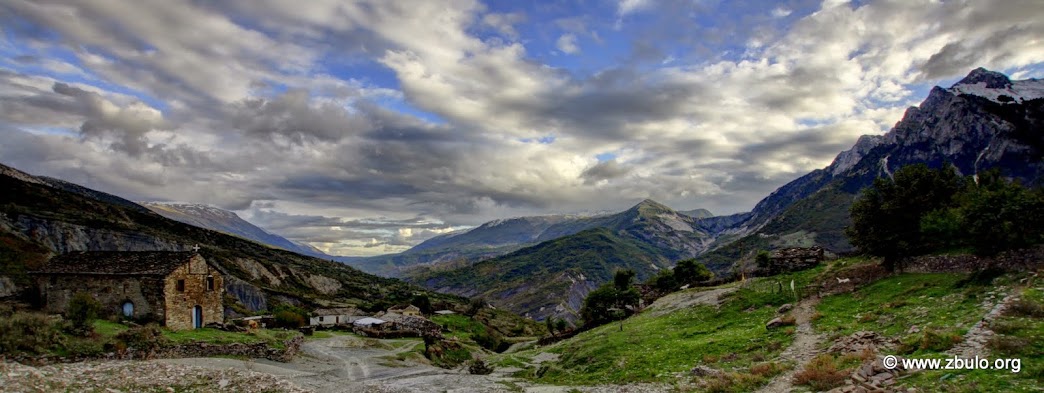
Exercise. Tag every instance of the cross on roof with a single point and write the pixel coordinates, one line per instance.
(195, 248)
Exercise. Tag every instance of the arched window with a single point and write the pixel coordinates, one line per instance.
(128, 309)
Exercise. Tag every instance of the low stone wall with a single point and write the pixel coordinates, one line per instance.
(1018, 260)
(191, 350)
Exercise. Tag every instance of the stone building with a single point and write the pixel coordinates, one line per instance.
(179, 289)
(333, 316)
(409, 310)
(793, 259)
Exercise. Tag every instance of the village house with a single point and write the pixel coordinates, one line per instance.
(333, 316)
(410, 310)
(179, 289)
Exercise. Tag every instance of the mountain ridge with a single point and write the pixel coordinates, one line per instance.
(210, 217)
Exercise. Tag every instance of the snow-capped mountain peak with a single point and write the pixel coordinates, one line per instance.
(996, 87)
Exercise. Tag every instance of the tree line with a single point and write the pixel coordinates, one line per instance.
(920, 210)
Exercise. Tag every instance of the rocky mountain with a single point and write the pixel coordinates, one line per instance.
(210, 217)
(574, 257)
(697, 213)
(39, 219)
(488, 240)
(550, 279)
(677, 234)
(983, 121)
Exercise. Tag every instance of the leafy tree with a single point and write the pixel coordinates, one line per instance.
(664, 281)
(886, 218)
(688, 272)
(622, 279)
(289, 319)
(423, 303)
(599, 305)
(997, 215)
(550, 325)
(475, 305)
(762, 260)
(82, 310)
(561, 325)
(595, 310)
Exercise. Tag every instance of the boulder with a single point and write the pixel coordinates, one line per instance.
(774, 323)
(784, 308)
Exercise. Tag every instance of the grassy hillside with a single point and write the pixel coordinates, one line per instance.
(548, 274)
(944, 307)
(664, 348)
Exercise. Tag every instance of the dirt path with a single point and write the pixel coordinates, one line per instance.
(353, 364)
(804, 348)
(974, 342)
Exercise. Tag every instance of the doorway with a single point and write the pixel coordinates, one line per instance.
(197, 317)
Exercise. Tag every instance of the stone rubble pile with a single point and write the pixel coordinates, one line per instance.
(861, 341)
(873, 377)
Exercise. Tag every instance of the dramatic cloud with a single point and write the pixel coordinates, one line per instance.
(364, 127)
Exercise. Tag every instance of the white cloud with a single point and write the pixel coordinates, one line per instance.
(236, 114)
(567, 44)
(625, 7)
(781, 12)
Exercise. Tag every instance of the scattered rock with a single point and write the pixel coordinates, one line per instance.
(784, 308)
(913, 329)
(861, 341)
(704, 371)
(774, 323)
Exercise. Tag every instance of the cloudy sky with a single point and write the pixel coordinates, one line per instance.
(363, 127)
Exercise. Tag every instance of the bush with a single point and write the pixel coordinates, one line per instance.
(474, 306)
(479, 367)
(32, 333)
(930, 340)
(82, 311)
(821, 374)
(1025, 308)
(144, 338)
(664, 281)
(289, 319)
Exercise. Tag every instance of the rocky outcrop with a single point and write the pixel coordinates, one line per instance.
(323, 284)
(61, 237)
(250, 296)
(849, 158)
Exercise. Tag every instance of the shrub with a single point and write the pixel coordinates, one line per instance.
(1025, 308)
(929, 340)
(1009, 345)
(30, 333)
(289, 319)
(821, 374)
(145, 338)
(766, 370)
(474, 306)
(83, 309)
(732, 382)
